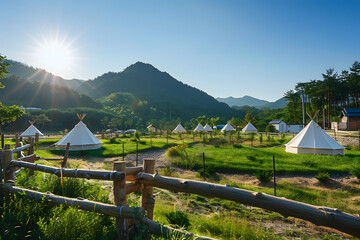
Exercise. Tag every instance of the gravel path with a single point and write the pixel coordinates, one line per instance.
(156, 154)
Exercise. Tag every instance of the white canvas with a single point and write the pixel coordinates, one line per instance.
(227, 127)
(199, 128)
(249, 128)
(31, 131)
(208, 128)
(179, 129)
(80, 138)
(314, 140)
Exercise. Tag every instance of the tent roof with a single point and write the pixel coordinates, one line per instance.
(179, 128)
(249, 128)
(31, 131)
(228, 127)
(207, 128)
(313, 136)
(79, 135)
(200, 128)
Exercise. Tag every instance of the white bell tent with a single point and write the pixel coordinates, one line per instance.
(80, 138)
(227, 128)
(179, 129)
(31, 131)
(249, 128)
(208, 128)
(199, 128)
(314, 140)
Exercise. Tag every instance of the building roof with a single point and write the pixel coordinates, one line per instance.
(350, 112)
(276, 122)
(151, 125)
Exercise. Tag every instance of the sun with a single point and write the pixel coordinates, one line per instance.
(56, 55)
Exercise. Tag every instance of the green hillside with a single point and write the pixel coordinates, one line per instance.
(30, 73)
(159, 89)
(34, 94)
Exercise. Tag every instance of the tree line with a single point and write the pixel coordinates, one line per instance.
(329, 95)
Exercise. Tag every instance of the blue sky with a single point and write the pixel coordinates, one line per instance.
(225, 48)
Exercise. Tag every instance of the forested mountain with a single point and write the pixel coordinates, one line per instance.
(253, 102)
(158, 89)
(30, 73)
(34, 94)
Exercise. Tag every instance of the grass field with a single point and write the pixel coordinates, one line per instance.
(244, 158)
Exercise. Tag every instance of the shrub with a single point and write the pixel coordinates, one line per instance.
(167, 171)
(323, 176)
(309, 163)
(251, 158)
(260, 138)
(176, 151)
(270, 128)
(178, 219)
(264, 176)
(355, 171)
(237, 146)
(113, 140)
(209, 171)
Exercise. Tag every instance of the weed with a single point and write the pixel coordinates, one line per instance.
(178, 219)
(264, 176)
(355, 170)
(323, 176)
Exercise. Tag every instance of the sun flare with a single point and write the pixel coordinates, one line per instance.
(56, 55)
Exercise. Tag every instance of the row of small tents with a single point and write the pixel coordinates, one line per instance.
(249, 128)
(311, 140)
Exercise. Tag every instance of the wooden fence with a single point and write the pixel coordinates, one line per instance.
(128, 180)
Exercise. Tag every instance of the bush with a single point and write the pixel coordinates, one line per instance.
(237, 146)
(270, 128)
(260, 138)
(251, 158)
(178, 219)
(209, 171)
(323, 176)
(309, 163)
(264, 176)
(167, 171)
(113, 140)
(355, 171)
(176, 151)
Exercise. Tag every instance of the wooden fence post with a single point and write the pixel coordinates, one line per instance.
(123, 154)
(167, 137)
(36, 137)
(31, 151)
(17, 144)
(274, 173)
(2, 141)
(64, 161)
(120, 200)
(148, 200)
(7, 156)
(137, 155)
(204, 169)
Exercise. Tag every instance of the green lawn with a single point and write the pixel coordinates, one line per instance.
(242, 158)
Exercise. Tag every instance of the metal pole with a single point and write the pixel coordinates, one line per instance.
(274, 172)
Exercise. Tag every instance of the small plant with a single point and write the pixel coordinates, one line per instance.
(260, 138)
(167, 171)
(178, 219)
(264, 176)
(176, 151)
(113, 140)
(251, 158)
(355, 171)
(209, 171)
(237, 146)
(309, 163)
(323, 176)
(137, 135)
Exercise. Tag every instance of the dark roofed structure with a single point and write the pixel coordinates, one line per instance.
(350, 119)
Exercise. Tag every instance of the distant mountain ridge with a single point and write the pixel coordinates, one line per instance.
(253, 102)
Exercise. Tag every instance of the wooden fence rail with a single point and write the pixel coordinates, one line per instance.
(321, 216)
(73, 173)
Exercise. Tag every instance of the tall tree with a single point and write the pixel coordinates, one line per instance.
(354, 79)
(7, 114)
(294, 99)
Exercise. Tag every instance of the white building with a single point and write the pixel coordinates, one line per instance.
(279, 125)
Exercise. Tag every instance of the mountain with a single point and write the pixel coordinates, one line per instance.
(253, 102)
(42, 95)
(159, 89)
(35, 74)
